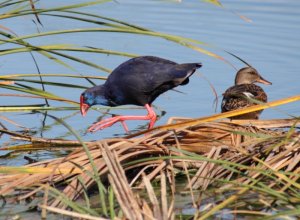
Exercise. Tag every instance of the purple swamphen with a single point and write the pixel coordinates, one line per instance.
(138, 81)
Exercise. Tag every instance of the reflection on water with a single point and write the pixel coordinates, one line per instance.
(270, 43)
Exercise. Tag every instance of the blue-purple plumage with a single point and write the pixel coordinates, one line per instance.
(138, 81)
(141, 80)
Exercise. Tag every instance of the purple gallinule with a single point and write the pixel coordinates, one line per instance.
(138, 81)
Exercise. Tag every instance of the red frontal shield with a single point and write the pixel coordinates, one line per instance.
(83, 106)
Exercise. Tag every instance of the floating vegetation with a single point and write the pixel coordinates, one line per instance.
(229, 158)
(235, 168)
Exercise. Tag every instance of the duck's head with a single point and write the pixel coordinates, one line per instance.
(249, 75)
(92, 96)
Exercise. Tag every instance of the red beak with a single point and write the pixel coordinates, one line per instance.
(83, 107)
(264, 81)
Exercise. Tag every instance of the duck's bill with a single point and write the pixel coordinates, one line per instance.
(83, 107)
(264, 81)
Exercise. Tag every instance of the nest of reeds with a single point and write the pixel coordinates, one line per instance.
(213, 150)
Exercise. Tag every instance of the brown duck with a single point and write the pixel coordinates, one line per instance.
(244, 93)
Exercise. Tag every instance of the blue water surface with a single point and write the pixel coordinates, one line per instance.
(270, 43)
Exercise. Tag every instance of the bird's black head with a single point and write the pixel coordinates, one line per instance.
(92, 96)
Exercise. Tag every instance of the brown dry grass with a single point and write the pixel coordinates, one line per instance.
(263, 144)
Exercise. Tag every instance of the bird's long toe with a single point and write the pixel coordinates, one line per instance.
(94, 128)
(102, 124)
(97, 127)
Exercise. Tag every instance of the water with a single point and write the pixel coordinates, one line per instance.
(270, 43)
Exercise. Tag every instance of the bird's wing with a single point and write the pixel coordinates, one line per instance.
(147, 73)
(140, 80)
(171, 74)
(240, 96)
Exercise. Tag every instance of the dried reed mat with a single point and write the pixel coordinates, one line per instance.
(203, 147)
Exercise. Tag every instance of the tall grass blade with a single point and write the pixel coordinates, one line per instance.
(40, 170)
(193, 122)
(34, 12)
(38, 11)
(35, 91)
(101, 188)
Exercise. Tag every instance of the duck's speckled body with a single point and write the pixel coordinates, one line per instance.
(245, 93)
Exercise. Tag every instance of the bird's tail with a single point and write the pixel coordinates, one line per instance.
(198, 65)
(184, 71)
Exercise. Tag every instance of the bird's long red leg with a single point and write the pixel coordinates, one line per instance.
(110, 121)
(125, 126)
